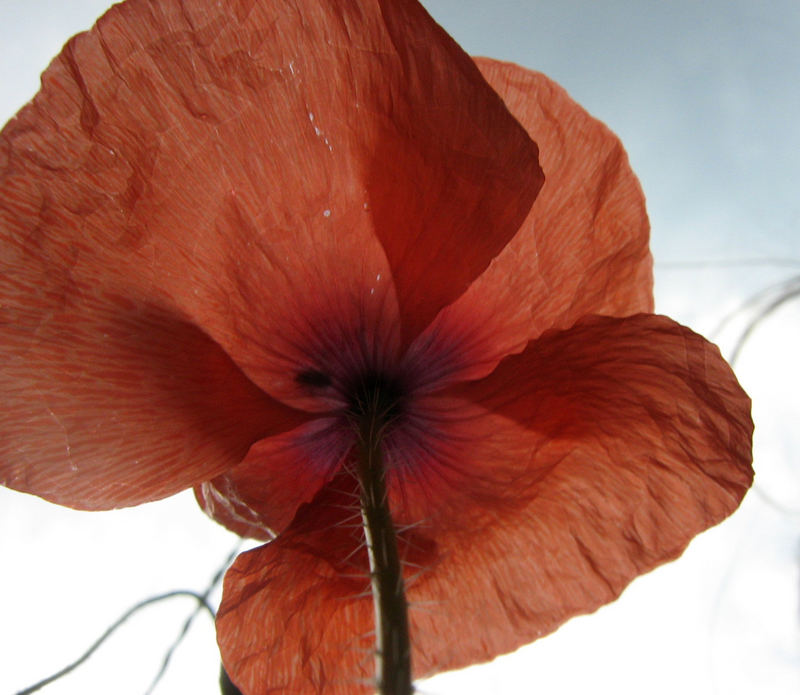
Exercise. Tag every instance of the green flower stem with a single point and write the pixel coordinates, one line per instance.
(393, 651)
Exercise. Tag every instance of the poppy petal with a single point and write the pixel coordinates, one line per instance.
(259, 497)
(226, 510)
(583, 248)
(448, 202)
(297, 614)
(118, 405)
(270, 171)
(588, 459)
(588, 231)
(593, 456)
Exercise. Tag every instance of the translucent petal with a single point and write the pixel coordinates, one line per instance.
(583, 248)
(537, 494)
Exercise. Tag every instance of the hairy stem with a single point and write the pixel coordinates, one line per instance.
(393, 652)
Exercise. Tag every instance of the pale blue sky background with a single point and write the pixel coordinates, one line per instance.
(705, 96)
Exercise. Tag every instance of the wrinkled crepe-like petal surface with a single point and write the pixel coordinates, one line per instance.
(591, 457)
(297, 615)
(262, 180)
(249, 159)
(259, 497)
(112, 402)
(583, 248)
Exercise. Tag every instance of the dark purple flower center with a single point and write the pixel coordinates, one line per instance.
(371, 393)
(376, 395)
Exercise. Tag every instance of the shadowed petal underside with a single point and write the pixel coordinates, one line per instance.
(583, 249)
(238, 187)
(593, 456)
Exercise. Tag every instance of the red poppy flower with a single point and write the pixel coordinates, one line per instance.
(224, 223)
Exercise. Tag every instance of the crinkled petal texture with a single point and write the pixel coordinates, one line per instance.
(122, 404)
(589, 458)
(583, 249)
(259, 497)
(211, 196)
